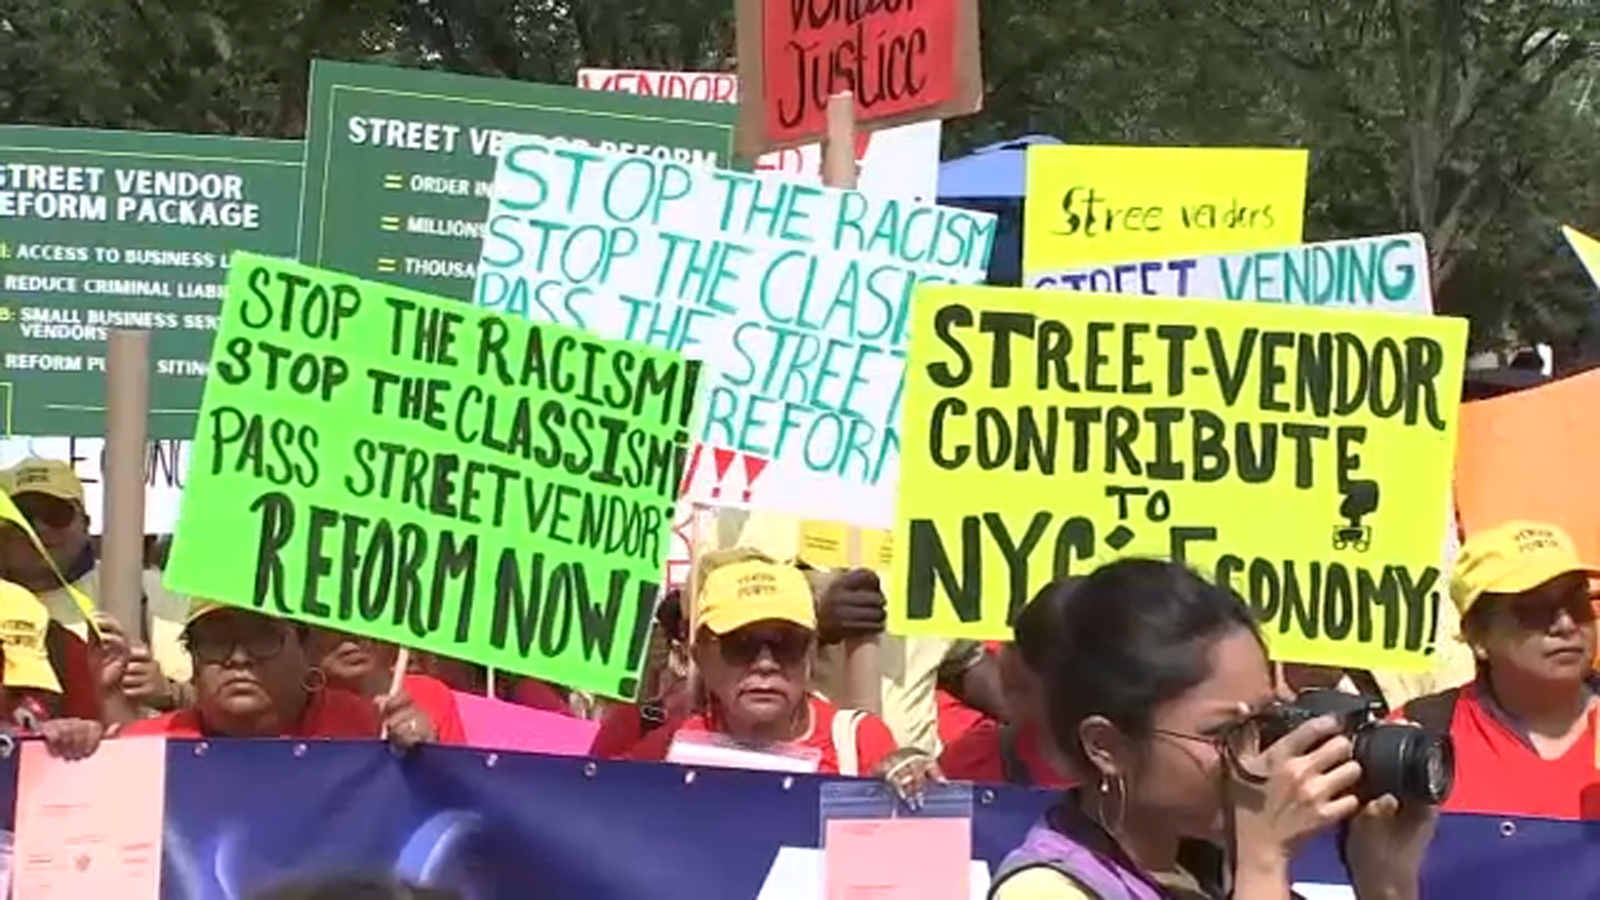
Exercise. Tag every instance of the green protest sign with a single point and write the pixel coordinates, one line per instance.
(399, 161)
(121, 229)
(413, 469)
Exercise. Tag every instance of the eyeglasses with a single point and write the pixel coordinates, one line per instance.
(259, 644)
(1234, 740)
(741, 648)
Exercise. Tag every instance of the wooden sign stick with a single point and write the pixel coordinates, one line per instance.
(127, 428)
(863, 656)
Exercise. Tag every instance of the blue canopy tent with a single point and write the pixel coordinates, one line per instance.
(993, 179)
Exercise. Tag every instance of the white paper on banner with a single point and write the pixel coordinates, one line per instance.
(166, 468)
(799, 873)
(900, 162)
(1388, 274)
(795, 296)
(712, 751)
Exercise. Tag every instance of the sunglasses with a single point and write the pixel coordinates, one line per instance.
(47, 512)
(215, 649)
(742, 648)
(1538, 614)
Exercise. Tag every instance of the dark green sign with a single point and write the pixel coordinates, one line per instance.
(399, 162)
(119, 229)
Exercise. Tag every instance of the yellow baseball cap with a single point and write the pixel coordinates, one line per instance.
(1511, 558)
(199, 609)
(50, 477)
(24, 623)
(743, 593)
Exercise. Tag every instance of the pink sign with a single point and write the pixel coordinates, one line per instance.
(496, 725)
(897, 859)
(92, 827)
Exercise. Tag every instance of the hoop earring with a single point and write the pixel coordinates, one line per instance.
(315, 680)
(1113, 784)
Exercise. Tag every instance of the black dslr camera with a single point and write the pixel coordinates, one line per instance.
(1414, 765)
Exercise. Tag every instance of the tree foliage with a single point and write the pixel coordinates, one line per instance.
(1471, 121)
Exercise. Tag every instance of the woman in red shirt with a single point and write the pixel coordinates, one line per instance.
(365, 667)
(753, 631)
(1524, 732)
(1018, 752)
(253, 678)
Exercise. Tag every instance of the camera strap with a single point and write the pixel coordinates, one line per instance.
(1435, 711)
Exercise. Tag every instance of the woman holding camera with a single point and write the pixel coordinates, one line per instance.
(1158, 689)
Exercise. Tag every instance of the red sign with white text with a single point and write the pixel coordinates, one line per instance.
(893, 55)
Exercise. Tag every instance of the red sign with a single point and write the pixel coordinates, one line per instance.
(895, 56)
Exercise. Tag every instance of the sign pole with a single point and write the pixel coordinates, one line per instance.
(127, 427)
(863, 657)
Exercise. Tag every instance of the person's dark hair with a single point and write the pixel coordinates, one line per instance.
(357, 887)
(1037, 628)
(1480, 615)
(669, 615)
(1131, 636)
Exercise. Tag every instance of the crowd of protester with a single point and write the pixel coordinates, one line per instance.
(1138, 691)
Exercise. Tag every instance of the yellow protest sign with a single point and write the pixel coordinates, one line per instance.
(1300, 456)
(1588, 250)
(1119, 204)
(825, 544)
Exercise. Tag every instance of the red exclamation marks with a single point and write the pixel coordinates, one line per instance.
(688, 470)
(753, 467)
(721, 461)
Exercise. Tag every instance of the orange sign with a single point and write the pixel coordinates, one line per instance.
(1530, 455)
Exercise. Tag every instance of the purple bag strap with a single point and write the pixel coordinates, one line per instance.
(1045, 847)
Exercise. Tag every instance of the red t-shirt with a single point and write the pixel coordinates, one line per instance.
(1499, 773)
(976, 756)
(332, 713)
(435, 699)
(873, 741)
(955, 718)
(535, 694)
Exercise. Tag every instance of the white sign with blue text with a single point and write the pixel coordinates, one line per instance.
(795, 296)
(1388, 273)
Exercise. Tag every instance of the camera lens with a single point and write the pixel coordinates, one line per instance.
(1413, 764)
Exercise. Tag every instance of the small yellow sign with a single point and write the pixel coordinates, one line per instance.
(826, 544)
(1299, 456)
(1122, 204)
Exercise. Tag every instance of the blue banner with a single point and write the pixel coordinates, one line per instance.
(243, 817)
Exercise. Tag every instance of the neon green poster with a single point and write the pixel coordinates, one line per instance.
(412, 469)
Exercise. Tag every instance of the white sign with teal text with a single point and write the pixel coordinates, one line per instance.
(1388, 273)
(796, 297)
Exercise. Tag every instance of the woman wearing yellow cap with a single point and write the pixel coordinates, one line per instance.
(254, 677)
(1524, 729)
(752, 633)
